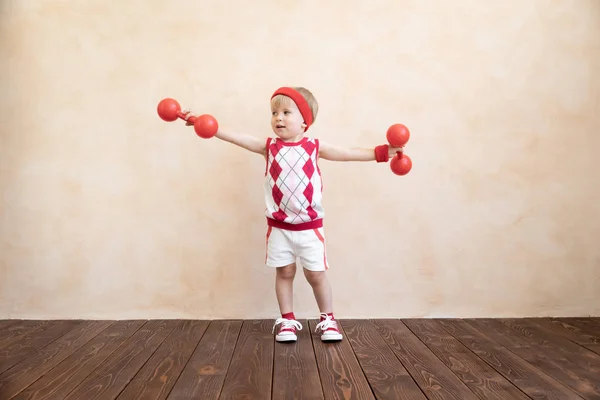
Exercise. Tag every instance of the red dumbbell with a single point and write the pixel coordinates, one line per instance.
(397, 136)
(206, 126)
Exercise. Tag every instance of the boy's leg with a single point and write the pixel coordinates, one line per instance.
(312, 254)
(313, 257)
(284, 288)
(280, 255)
(321, 288)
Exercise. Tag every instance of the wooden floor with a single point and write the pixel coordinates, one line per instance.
(379, 359)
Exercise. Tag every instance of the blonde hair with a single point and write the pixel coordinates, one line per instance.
(308, 96)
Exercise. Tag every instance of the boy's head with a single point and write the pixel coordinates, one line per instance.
(293, 111)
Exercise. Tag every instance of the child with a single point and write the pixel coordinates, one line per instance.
(293, 197)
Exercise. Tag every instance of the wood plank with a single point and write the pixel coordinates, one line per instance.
(63, 378)
(433, 377)
(19, 328)
(295, 373)
(533, 382)
(205, 372)
(564, 348)
(579, 334)
(593, 347)
(158, 376)
(589, 326)
(251, 369)
(111, 377)
(569, 332)
(592, 323)
(20, 347)
(386, 375)
(547, 358)
(484, 381)
(5, 323)
(340, 371)
(36, 365)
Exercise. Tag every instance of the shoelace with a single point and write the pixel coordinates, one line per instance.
(327, 323)
(287, 323)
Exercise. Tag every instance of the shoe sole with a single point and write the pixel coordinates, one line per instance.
(286, 339)
(332, 338)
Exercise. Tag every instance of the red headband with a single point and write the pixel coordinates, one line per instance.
(300, 102)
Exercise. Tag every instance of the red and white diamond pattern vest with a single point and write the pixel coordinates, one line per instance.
(293, 186)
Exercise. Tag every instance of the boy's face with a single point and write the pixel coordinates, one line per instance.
(286, 120)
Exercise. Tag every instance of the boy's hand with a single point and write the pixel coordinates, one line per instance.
(188, 114)
(393, 150)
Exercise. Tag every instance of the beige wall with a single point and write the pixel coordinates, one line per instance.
(109, 212)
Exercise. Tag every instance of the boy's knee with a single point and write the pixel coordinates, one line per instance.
(314, 277)
(287, 272)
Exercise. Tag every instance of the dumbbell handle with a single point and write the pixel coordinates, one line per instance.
(191, 119)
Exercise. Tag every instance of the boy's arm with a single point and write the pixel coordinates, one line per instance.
(248, 142)
(332, 152)
(243, 140)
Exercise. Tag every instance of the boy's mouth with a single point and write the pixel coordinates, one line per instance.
(280, 126)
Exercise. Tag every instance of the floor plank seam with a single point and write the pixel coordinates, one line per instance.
(140, 369)
(36, 352)
(403, 365)
(558, 382)
(185, 364)
(573, 341)
(359, 363)
(312, 342)
(107, 357)
(228, 370)
(440, 360)
(486, 362)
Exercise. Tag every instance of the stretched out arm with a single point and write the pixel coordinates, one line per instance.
(332, 152)
(248, 142)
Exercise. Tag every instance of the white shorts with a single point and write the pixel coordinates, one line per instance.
(284, 247)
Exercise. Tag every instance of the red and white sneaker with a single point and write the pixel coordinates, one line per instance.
(329, 328)
(287, 331)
